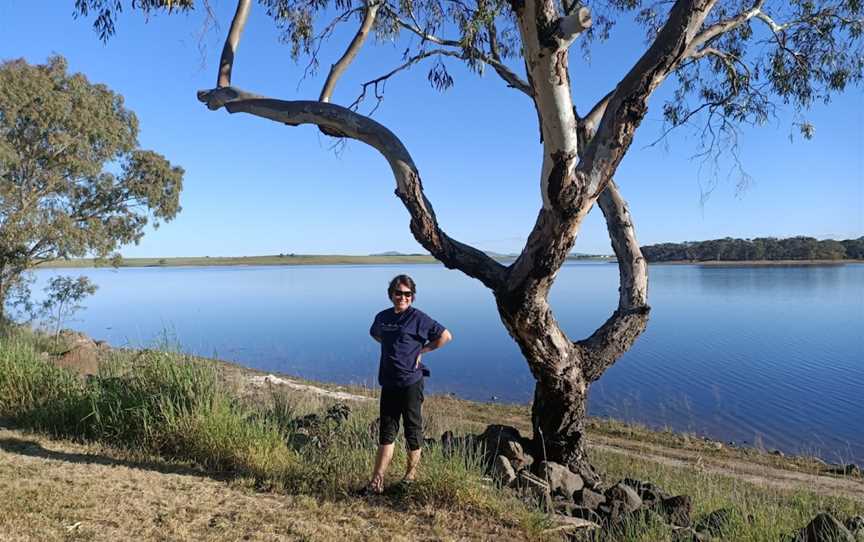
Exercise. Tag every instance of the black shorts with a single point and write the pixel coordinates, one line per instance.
(405, 403)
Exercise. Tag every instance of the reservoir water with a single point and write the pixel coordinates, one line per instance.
(767, 356)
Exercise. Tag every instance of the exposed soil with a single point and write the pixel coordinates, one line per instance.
(748, 471)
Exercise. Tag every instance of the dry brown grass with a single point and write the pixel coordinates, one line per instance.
(60, 490)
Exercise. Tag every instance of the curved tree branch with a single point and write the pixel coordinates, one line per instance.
(336, 70)
(342, 122)
(409, 188)
(629, 103)
(586, 126)
(571, 25)
(723, 27)
(226, 62)
(620, 331)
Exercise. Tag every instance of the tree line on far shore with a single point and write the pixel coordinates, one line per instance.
(761, 248)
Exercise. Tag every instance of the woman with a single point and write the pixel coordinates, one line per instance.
(405, 334)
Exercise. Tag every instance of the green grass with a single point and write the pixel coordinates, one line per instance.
(759, 513)
(177, 407)
(164, 403)
(180, 408)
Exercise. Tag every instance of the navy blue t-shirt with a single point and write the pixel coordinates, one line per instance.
(402, 336)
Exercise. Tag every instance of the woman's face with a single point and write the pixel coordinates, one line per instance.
(401, 297)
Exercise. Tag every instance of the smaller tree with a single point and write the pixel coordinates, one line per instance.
(73, 181)
(64, 295)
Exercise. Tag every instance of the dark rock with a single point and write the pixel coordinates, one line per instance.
(716, 522)
(298, 441)
(309, 421)
(650, 494)
(687, 534)
(589, 498)
(525, 462)
(855, 524)
(590, 476)
(338, 413)
(527, 445)
(561, 479)
(500, 440)
(623, 498)
(677, 510)
(844, 470)
(502, 471)
(824, 528)
(512, 450)
(447, 442)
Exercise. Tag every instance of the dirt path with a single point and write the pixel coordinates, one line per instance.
(272, 380)
(754, 473)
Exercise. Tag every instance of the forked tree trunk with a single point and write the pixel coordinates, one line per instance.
(564, 370)
(558, 417)
(573, 178)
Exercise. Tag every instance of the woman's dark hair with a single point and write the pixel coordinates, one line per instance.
(404, 280)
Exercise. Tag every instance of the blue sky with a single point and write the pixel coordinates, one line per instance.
(255, 187)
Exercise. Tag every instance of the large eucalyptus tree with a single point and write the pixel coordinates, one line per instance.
(732, 61)
(73, 178)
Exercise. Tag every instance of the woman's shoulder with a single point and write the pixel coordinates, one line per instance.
(417, 313)
(384, 313)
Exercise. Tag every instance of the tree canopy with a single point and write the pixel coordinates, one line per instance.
(760, 248)
(73, 180)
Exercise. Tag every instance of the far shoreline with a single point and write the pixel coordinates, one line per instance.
(759, 263)
(339, 260)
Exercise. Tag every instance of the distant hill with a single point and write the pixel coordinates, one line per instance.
(396, 253)
(758, 249)
(500, 256)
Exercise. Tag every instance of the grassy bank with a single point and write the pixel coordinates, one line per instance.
(278, 259)
(758, 263)
(169, 408)
(290, 259)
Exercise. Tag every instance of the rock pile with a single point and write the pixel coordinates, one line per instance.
(315, 429)
(827, 528)
(581, 503)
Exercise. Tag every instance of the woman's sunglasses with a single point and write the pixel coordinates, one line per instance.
(402, 293)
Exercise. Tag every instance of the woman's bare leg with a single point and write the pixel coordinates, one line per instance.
(413, 463)
(382, 462)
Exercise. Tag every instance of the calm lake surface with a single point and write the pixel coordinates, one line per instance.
(771, 356)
